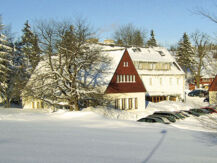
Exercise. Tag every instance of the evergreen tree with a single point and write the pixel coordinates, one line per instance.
(152, 41)
(5, 65)
(20, 74)
(138, 39)
(185, 53)
(30, 47)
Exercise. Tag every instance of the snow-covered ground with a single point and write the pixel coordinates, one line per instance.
(100, 135)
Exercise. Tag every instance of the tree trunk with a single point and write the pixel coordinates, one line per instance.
(76, 103)
(198, 81)
(7, 103)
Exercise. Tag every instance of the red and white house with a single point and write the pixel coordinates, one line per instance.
(126, 86)
(141, 74)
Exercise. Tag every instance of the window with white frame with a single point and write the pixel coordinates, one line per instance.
(121, 79)
(125, 64)
(127, 79)
(123, 103)
(124, 78)
(134, 78)
(117, 103)
(131, 78)
(130, 103)
(136, 103)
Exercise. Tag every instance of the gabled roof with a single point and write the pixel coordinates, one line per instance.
(213, 86)
(155, 55)
(129, 70)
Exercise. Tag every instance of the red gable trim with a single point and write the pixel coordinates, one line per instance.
(125, 87)
(213, 86)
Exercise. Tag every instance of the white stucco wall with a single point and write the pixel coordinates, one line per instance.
(140, 98)
(164, 85)
(213, 97)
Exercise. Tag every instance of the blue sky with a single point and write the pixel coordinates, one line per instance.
(168, 18)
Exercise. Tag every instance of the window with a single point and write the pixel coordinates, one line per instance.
(117, 103)
(150, 81)
(120, 78)
(136, 103)
(130, 103)
(127, 78)
(123, 103)
(125, 64)
(123, 78)
(131, 79)
(117, 78)
(134, 78)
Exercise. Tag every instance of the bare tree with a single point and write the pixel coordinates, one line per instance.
(200, 49)
(128, 35)
(72, 67)
(207, 14)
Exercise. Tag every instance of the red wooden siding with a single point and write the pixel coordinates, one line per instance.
(213, 86)
(124, 69)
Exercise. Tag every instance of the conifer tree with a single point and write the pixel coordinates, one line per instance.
(5, 65)
(138, 40)
(185, 53)
(30, 47)
(152, 41)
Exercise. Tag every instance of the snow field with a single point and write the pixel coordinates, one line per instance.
(103, 136)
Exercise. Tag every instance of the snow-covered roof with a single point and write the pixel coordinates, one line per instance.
(115, 53)
(155, 55)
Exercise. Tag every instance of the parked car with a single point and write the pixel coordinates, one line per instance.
(213, 106)
(179, 115)
(198, 92)
(168, 117)
(191, 112)
(200, 111)
(151, 120)
(166, 121)
(171, 114)
(184, 113)
(211, 109)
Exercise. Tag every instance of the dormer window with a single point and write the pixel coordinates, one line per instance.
(125, 64)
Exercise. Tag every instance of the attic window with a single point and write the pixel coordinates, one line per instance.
(136, 50)
(125, 64)
(161, 53)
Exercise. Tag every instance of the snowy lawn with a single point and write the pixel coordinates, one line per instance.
(87, 136)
